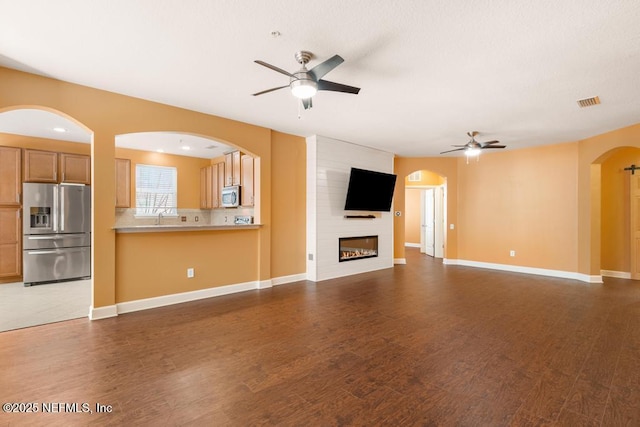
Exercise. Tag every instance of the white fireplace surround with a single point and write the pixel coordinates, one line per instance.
(329, 162)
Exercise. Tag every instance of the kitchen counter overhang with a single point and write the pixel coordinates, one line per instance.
(180, 228)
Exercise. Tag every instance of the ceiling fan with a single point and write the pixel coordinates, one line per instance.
(305, 83)
(473, 147)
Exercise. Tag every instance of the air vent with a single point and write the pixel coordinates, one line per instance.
(211, 147)
(588, 102)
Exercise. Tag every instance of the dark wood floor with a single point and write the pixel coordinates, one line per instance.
(421, 344)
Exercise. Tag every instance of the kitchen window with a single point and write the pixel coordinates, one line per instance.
(156, 190)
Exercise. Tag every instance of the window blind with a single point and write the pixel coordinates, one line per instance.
(156, 190)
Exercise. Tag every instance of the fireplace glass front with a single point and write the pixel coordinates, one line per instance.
(352, 248)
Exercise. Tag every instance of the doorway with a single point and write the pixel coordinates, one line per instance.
(425, 207)
(432, 221)
(32, 135)
(619, 213)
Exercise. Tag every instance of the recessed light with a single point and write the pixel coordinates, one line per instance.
(160, 150)
(186, 147)
(59, 129)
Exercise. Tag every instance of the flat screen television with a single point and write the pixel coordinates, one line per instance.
(370, 191)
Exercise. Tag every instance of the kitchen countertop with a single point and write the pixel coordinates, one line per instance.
(174, 228)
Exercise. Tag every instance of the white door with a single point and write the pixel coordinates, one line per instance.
(427, 239)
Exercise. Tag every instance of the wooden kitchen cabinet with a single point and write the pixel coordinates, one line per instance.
(220, 182)
(247, 182)
(212, 180)
(10, 244)
(40, 166)
(75, 168)
(206, 187)
(232, 168)
(10, 176)
(123, 183)
(216, 186)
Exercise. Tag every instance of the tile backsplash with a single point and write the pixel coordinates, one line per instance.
(127, 217)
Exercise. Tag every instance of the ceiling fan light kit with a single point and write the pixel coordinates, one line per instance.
(473, 147)
(303, 88)
(304, 84)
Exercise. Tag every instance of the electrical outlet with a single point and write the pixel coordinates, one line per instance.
(310, 257)
(190, 273)
(512, 253)
(197, 218)
(451, 226)
(183, 218)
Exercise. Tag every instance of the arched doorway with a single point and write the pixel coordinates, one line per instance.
(616, 211)
(47, 145)
(425, 212)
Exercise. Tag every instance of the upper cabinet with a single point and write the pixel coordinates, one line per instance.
(212, 180)
(75, 168)
(205, 187)
(123, 183)
(42, 166)
(232, 168)
(10, 176)
(246, 195)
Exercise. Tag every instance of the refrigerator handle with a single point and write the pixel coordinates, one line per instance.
(61, 208)
(55, 208)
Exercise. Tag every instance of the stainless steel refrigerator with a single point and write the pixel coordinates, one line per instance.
(57, 232)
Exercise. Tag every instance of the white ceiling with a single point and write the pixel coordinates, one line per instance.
(429, 70)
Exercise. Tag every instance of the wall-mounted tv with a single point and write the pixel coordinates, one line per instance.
(370, 191)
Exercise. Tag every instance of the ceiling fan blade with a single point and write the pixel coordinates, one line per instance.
(337, 87)
(270, 90)
(489, 143)
(323, 68)
(307, 103)
(274, 68)
(450, 151)
(493, 146)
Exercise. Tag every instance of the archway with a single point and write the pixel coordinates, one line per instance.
(615, 210)
(61, 263)
(425, 212)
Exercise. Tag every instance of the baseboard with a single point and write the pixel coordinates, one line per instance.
(283, 280)
(161, 301)
(399, 261)
(102, 312)
(264, 284)
(412, 245)
(616, 274)
(527, 270)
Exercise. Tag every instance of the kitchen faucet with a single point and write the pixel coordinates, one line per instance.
(159, 218)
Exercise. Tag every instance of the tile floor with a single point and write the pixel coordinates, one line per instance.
(21, 306)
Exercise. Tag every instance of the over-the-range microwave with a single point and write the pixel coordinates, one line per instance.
(230, 196)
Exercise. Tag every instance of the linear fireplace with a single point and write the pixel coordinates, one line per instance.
(352, 248)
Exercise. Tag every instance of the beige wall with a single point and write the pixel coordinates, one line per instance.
(523, 200)
(615, 224)
(188, 169)
(289, 196)
(412, 217)
(108, 114)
